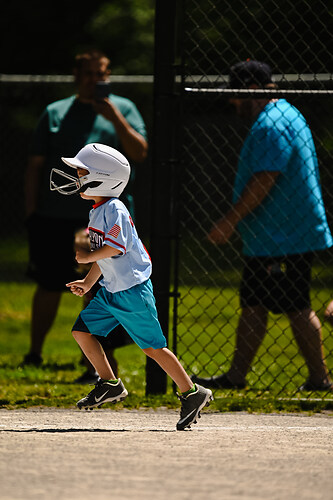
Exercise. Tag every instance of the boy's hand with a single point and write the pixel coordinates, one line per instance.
(78, 287)
(82, 256)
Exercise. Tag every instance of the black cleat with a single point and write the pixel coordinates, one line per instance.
(104, 392)
(191, 406)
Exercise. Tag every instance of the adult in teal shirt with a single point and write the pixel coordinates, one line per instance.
(279, 211)
(63, 129)
(292, 219)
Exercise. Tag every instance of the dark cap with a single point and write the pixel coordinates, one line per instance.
(244, 73)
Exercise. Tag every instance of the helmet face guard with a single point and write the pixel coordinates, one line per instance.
(108, 172)
(78, 184)
(70, 188)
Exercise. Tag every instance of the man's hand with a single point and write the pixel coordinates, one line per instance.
(105, 108)
(134, 144)
(253, 195)
(78, 287)
(222, 231)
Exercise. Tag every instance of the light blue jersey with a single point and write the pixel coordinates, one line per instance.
(111, 224)
(126, 296)
(292, 218)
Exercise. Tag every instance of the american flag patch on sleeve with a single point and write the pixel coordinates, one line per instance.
(114, 231)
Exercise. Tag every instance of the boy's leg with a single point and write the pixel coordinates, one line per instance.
(170, 364)
(193, 398)
(108, 344)
(95, 354)
(143, 326)
(111, 359)
(107, 389)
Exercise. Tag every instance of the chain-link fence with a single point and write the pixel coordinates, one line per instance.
(295, 39)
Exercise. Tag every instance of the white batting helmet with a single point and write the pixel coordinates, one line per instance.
(109, 172)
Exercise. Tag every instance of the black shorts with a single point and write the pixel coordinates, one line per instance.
(281, 284)
(52, 261)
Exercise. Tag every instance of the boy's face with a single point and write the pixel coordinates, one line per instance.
(81, 172)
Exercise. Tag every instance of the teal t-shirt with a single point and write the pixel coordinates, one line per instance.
(63, 129)
(291, 219)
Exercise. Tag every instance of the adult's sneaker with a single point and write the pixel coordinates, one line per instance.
(191, 406)
(87, 378)
(104, 392)
(32, 359)
(218, 382)
(326, 386)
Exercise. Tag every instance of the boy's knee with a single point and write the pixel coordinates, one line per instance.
(148, 351)
(77, 335)
(151, 352)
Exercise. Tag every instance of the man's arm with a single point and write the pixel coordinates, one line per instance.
(134, 144)
(33, 178)
(254, 193)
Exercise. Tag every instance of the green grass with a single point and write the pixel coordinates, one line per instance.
(52, 384)
(207, 322)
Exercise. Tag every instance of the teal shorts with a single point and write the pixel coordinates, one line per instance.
(134, 309)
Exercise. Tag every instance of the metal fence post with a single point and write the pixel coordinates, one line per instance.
(163, 145)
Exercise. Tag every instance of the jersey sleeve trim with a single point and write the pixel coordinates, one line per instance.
(117, 244)
(146, 251)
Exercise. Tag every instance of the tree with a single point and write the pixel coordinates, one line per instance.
(43, 38)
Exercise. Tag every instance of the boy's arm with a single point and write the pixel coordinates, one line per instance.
(80, 287)
(85, 257)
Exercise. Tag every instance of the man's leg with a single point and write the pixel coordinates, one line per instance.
(306, 328)
(44, 310)
(250, 334)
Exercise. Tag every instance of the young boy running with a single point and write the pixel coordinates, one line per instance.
(126, 296)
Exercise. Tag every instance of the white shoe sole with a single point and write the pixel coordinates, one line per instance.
(120, 397)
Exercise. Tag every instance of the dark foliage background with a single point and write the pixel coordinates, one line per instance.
(43, 37)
